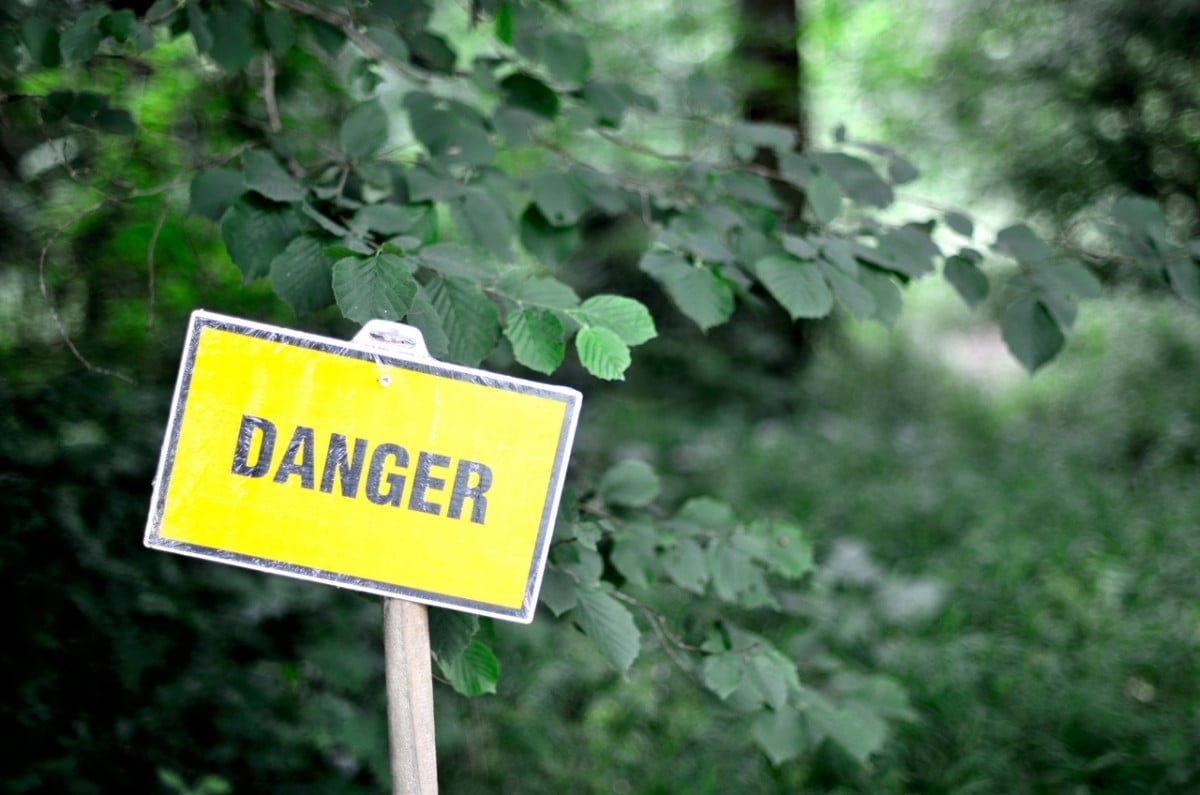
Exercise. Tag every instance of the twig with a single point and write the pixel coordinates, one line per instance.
(268, 94)
(150, 249)
(154, 20)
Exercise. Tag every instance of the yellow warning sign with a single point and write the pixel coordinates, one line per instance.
(348, 464)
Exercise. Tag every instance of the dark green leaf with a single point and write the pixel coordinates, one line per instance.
(799, 247)
(523, 90)
(628, 319)
(970, 282)
(1184, 277)
(116, 121)
(543, 291)
(780, 734)
(550, 244)
(706, 94)
(386, 40)
(856, 177)
(424, 315)
(425, 184)
(907, 251)
(684, 563)
(198, 23)
(558, 591)
(433, 52)
(255, 234)
(631, 482)
(824, 197)
(365, 130)
(80, 41)
(1031, 333)
(561, 198)
(901, 171)
(886, 293)
(960, 223)
(565, 56)
(280, 32)
(450, 631)
(265, 176)
(469, 318)
(453, 132)
(698, 292)
(41, 40)
(474, 672)
(798, 286)
(750, 137)
(1069, 277)
(373, 287)
(751, 188)
(301, 274)
(451, 259)
(482, 221)
(607, 101)
(634, 554)
(1020, 243)
(537, 338)
(611, 627)
(707, 513)
(859, 300)
(503, 23)
(390, 219)
(857, 730)
(232, 28)
(213, 191)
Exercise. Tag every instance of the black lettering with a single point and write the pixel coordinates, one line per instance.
(245, 438)
(423, 481)
(463, 491)
(298, 458)
(375, 472)
(336, 465)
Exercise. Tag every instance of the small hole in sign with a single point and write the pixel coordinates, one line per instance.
(385, 380)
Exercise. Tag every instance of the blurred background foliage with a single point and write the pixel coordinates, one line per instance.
(1018, 554)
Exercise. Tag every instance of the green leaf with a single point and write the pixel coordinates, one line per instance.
(41, 40)
(474, 672)
(116, 121)
(558, 592)
(854, 175)
(373, 287)
(523, 90)
(732, 572)
(482, 220)
(970, 282)
(602, 353)
(453, 132)
(80, 41)
(543, 291)
(199, 25)
(433, 52)
(365, 130)
(1031, 334)
(886, 293)
(1070, 277)
(266, 177)
(424, 315)
(386, 40)
(631, 482)
(789, 552)
(798, 286)
(561, 198)
(503, 23)
(723, 672)
(255, 234)
(469, 318)
(427, 185)
(610, 626)
(770, 673)
(751, 188)
(232, 28)
(279, 30)
(1020, 243)
(627, 318)
(960, 223)
(1184, 277)
(390, 219)
(302, 275)
(824, 197)
(698, 292)
(634, 554)
(451, 631)
(565, 56)
(451, 259)
(707, 513)
(857, 730)
(849, 292)
(749, 137)
(212, 192)
(799, 247)
(901, 171)
(607, 101)
(780, 734)
(684, 563)
(537, 338)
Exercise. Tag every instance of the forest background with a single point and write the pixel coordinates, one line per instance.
(811, 543)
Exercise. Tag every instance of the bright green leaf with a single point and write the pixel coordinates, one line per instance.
(474, 672)
(685, 564)
(373, 287)
(537, 338)
(723, 672)
(627, 318)
(602, 353)
(542, 291)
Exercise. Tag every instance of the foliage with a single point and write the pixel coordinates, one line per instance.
(381, 160)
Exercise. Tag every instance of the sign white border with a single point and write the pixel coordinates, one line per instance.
(202, 319)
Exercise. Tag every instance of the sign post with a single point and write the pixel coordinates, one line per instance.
(366, 465)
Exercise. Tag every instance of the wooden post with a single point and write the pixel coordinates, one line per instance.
(409, 698)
